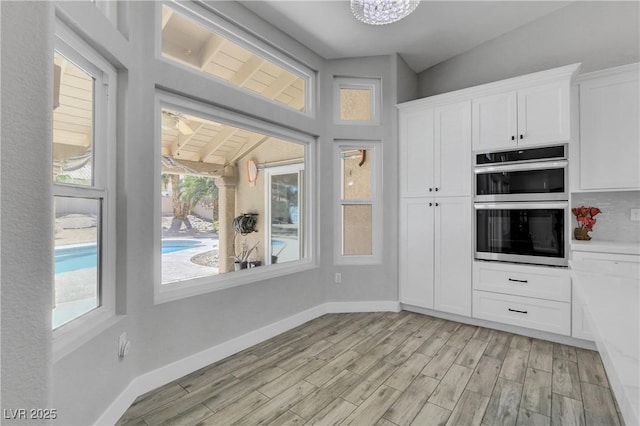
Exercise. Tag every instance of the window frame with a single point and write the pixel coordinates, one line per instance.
(74, 333)
(244, 39)
(375, 147)
(195, 286)
(277, 171)
(374, 85)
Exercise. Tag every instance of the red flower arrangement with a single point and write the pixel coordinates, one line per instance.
(585, 216)
(586, 220)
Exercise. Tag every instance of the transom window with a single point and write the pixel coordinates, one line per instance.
(357, 100)
(200, 44)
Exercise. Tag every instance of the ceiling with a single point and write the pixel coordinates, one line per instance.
(435, 32)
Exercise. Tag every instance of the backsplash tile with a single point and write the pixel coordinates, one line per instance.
(613, 223)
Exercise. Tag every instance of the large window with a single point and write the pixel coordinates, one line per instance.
(202, 42)
(359, 207)
(83, 154)
(232, 199)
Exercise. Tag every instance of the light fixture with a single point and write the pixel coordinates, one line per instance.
(380, 12)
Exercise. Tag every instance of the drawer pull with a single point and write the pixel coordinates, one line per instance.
(518, 281)
(515, 310)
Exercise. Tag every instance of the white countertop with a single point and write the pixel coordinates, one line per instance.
(604, 246)
(612, 299)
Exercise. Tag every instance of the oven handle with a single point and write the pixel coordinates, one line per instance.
(521, 167)
(521, 206)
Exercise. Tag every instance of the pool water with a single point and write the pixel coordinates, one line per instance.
(76, 258)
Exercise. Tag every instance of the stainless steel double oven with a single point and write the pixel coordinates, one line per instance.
(521, 206)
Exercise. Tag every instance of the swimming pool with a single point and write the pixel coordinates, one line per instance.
(75, 258)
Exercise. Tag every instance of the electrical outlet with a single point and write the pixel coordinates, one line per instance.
(635, 214)
(338, 277)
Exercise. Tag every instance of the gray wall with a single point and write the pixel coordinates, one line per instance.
(89, 379)
(27, 254)
(376, 282)
(600, 34)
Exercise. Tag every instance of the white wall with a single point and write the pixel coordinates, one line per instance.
(600, 34)
(26, 226)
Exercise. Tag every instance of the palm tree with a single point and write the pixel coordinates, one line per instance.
(187, 191)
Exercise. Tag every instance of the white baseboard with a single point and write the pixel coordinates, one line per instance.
(170, 372)
(370, 306)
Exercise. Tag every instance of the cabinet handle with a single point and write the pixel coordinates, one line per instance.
(430, 189)
(437, 204)
(430, 204)
(515, 310)
(513, 138)
(518, 281)
(521, 136)
(437, 189)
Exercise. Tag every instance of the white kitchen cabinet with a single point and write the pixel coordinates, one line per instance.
(531, 296)
(580, 326)
(416, 152)
(435, 253)
(531, 116)
(435, 150)
(609, 148)
(451, 159)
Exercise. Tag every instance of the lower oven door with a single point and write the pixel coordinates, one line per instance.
(522, 232)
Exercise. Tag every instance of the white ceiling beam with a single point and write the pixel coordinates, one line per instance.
(216, 141)
(210, 49)
(283, 81)
(167, 13)
(181, 141)
(253, 142)
(247, 70)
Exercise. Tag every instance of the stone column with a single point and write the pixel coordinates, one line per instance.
(226, 211)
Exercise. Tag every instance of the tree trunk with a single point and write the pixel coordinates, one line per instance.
(180, 209)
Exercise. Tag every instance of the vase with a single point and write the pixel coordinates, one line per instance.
(582, 234)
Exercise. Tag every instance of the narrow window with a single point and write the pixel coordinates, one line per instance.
(359, 206)
(82, 162)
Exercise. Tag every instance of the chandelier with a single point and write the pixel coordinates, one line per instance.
(380, 12)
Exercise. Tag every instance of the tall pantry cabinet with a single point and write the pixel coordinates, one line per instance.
(435, 205)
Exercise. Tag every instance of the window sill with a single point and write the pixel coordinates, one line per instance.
(72, 336)
(182, 289)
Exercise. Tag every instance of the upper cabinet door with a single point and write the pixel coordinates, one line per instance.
(452, 154)
(544, 114)
(609, 132)
(494, 121)
(416, 153)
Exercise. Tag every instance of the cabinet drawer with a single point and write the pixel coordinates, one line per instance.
(521, 280)
(545, 315)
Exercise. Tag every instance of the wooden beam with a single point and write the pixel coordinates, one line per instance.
(247, 70)
(197, 168)
(283, 81)
(216, 141)
(253, 142)
(181, 141)
(167, 13)
(210, 49)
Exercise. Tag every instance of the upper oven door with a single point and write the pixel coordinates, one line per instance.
(538, 181)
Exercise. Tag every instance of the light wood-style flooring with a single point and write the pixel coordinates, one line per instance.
(389, 369)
